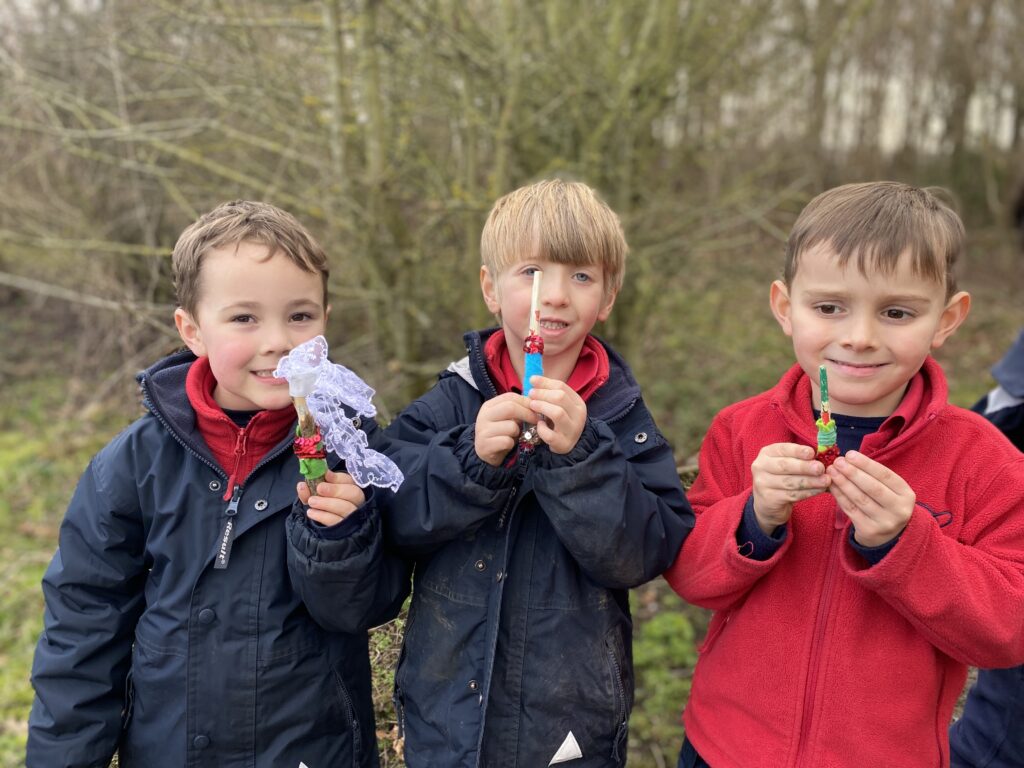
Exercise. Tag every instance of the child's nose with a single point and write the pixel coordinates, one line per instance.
(860, 333)
(554, 291)
(276, 339)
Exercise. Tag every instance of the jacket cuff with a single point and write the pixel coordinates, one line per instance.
(753, 542)
(888, 573)
(325, 543)
(585, 446)
(873, 555)
(475, 468)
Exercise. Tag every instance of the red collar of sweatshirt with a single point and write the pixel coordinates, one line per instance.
(237, 450)
(590, 373)
(925, 397)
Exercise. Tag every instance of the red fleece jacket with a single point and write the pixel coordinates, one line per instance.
(815, 659)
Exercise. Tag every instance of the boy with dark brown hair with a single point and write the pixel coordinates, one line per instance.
(849, 600)
(185, 621)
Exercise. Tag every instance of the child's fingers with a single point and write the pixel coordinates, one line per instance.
(346, 492)
(886, 479)
(850, 494)
(340, 478)
(849, 508)
(543, 382)
(324, 517)
(788, 459)
(788, 450)
(553, 412)
(499, 429)
(303, 491)
(510, 407)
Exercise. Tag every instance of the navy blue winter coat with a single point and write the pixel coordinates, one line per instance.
(151, 650)
(990, 734)
(518, 641)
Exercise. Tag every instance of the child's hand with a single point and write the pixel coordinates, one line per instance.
(564, 412)
(337, 497)
(498, 425)
(878, 502)
(784, 473)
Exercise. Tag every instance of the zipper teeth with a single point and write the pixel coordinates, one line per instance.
(819, 632)
(617, 671)
(148, 402)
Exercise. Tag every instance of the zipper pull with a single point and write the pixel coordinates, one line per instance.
(227, 536)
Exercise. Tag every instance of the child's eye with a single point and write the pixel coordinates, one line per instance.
(897, 314)
(243, 319)
(582, 277)
(302, 317)
(528, 271)
(827, 309)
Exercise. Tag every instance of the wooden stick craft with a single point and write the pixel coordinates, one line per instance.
(533, 359)
(309, 445)
(828, 451)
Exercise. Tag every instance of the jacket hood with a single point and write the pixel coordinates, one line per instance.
(1009, 371)
(925, 398)
(164, 396)
(611, 401)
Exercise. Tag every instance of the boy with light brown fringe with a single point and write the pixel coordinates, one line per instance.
(849, 600)
(518, 645)
(185, 616)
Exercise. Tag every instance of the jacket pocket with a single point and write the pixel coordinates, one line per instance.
(349, 708)
(620, 667)
(129, 701)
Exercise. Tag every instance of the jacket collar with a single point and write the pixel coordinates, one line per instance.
(611, 401)
(164, 394)
(926, 396)
(1009, 371)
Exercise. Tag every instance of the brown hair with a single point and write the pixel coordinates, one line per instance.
(876, 223)
(564, 221)
(236, 222)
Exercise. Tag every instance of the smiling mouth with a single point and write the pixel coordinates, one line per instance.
(265, 374)
(859, 367)
(553, 325)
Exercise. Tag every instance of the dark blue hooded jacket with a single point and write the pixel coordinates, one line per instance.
(990, 734)
(149, 649)
(518, 642)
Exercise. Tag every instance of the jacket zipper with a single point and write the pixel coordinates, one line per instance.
(350, 710)
(227, 536)
(621, 712)
(522, 459)
(821, 621)
(228, 533)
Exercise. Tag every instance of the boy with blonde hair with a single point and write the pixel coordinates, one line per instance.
(173, 632)
(849, 600)
(517, 650)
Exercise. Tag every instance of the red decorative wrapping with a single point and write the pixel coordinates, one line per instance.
(309, 447)
(533, 344)
(829, 455)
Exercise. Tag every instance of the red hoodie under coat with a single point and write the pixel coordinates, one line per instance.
(813, 658)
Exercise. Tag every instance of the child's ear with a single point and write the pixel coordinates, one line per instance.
(189, 331)
(489, 288)
(606, 310)
(952, 316)
(781, 306)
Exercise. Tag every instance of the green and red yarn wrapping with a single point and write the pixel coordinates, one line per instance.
(828, 451)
